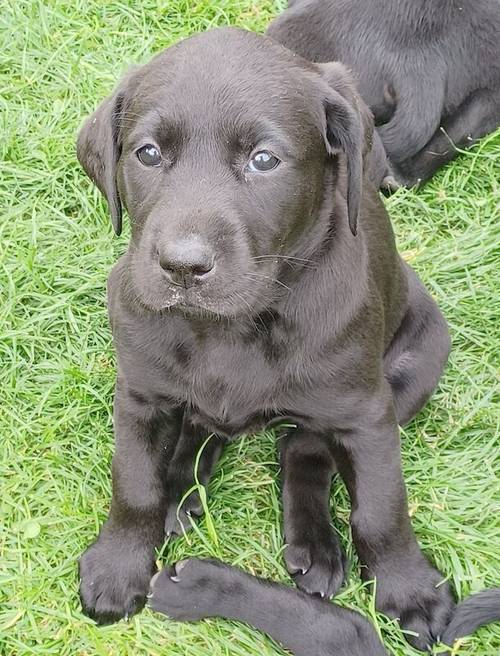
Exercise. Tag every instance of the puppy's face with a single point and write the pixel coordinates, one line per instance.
(220, 149)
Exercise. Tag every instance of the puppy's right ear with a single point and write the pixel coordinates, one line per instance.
(99, 147)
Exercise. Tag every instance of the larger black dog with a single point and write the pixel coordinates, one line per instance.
(246, 297)
(428, 69)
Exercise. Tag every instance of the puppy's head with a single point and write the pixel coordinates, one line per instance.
(224, 150)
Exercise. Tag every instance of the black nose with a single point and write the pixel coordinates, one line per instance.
(186, 261)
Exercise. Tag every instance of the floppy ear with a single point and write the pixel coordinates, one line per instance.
(98, 150)
(348, 129)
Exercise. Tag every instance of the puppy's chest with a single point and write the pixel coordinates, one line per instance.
(233, 383)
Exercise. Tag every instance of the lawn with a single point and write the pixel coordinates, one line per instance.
(57, 60)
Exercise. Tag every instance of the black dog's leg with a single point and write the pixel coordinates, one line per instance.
(416, 116)
(407, 586)
(181, 475)
(478, 115)
(305, 625)
(313, 553)
(116, 569)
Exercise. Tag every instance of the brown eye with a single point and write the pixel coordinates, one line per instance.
(263, 161)
(149, 155)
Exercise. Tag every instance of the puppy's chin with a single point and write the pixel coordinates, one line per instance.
(197, 305)
(226, 301)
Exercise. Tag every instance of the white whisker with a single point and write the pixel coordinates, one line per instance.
(261, 275)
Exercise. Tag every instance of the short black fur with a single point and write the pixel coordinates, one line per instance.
(307, 626)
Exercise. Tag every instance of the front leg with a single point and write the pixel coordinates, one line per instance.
(313, 554)
(407, 586)
(476, 117)
(116, 569)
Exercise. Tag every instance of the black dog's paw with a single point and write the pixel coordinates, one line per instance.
(189, 590)
(318, 567)
(420, 599)
(114, 579)
(395, 180)
(178, 520)
(397, 176)
(400, 175)
(390, 184)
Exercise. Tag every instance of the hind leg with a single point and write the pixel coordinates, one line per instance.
(313, 554)
(181, 475)
(418, 352)
(477, 116)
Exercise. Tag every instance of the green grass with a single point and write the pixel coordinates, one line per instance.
(58, 58)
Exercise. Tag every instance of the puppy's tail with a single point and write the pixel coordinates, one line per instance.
(475, 611)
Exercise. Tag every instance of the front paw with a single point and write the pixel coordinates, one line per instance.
(114, 578)
(416, 594)
(189, 590)
(400, 175)
(318, 566)
(391, 184)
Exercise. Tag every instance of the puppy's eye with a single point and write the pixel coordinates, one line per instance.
(149, 155)
(263, 161)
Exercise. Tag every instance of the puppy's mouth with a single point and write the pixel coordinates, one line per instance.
(232, 303)
(230, 296)
(191, 300)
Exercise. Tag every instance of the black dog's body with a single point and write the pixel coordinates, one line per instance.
(307, 626)
(430, 71)
(245, 299)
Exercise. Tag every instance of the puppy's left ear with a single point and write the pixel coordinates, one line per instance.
(348, 128)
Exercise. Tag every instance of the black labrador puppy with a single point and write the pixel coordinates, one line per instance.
(430, 71)
(261, 283)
